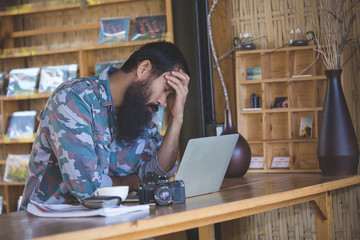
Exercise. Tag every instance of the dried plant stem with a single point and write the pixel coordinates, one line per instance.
(215, 56)
(332, 31)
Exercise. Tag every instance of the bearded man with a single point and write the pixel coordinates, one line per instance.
(98, 131)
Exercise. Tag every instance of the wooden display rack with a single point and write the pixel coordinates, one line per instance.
(296, 73)
(57, 35)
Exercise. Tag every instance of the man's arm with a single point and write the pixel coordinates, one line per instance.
(132, 180)
(167, 153)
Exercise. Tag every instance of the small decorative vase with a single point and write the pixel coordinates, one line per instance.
(338, 150)
(240, 160)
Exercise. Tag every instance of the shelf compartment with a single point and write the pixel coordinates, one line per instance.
(302, 94)
(302, 62)
(276, 126)
(250, 126)
(274, 90)
(305, 155)
(257, 149)
(275, 65)
(276, 150)
(245, 92)
(245, 62)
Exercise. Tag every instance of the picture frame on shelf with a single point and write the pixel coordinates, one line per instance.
(306, 127)
(281, 102)
(253, 73)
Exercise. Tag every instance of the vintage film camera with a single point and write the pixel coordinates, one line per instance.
(162, 192)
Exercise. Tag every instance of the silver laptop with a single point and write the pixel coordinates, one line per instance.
(204, 163)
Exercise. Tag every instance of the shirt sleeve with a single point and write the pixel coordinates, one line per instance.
(152, 167)
(69, 119)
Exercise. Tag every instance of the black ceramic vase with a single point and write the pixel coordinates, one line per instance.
(338, 150)
(240, 160)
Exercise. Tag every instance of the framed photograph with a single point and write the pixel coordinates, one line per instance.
(253, 73)
(280, 162)
(306, 127)
(281, 102)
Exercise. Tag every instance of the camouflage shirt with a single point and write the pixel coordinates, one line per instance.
(75, 146)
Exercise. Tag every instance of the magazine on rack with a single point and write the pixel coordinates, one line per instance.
(100, 66)
(16, 167)
(52, 76)
(22, 81)
(114, 30)
(149, 27)
(21, 124)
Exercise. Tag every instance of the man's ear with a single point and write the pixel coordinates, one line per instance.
(143, 70)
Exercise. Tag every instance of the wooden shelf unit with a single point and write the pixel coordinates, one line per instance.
(57, 35)
(273, 132)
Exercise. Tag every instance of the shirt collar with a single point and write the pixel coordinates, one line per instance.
(105, 92)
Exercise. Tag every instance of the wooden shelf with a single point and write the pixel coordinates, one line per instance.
(60, 7)
(3, 183)
(34, 53)
(275, 131)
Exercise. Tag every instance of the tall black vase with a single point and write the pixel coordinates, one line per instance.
(338, 150)
(240, 160)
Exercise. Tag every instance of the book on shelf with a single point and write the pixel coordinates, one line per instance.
(52, 76)
(22, 81)
(149, 27)
(114, 30)
(306, 127)
(100, 66)
(16, 167)
(21, 125)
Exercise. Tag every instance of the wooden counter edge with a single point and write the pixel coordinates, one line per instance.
(207, 215)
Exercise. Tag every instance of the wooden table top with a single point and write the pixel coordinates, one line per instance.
(238, 197)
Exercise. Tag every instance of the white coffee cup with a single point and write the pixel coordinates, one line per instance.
(120, 191)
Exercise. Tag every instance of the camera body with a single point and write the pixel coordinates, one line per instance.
(162, 192)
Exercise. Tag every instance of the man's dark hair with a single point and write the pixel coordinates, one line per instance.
(163, 55)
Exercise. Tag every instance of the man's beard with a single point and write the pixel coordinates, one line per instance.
(134, 113)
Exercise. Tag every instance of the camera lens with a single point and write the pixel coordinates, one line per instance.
(163, 195)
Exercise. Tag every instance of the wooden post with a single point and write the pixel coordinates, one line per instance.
(324, 217)
(207, 232)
